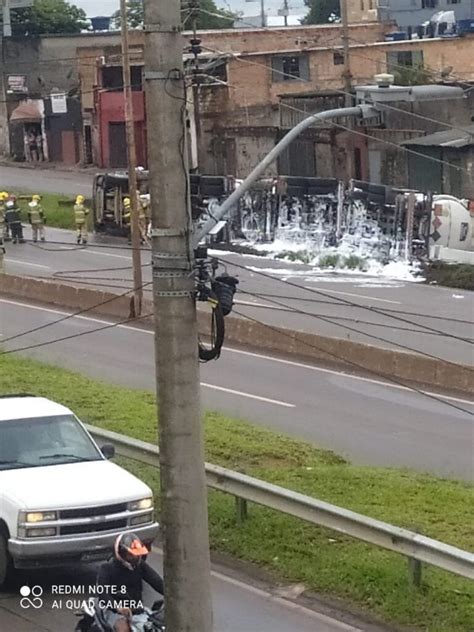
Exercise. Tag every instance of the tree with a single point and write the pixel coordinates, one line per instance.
(413, 75)
(321, 11)
(209, 17)
(48, 16)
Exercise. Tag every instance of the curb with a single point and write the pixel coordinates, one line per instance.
(387, 363)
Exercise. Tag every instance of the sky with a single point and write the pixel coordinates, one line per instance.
(107, 7)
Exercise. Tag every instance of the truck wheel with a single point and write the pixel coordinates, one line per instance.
(6, 566)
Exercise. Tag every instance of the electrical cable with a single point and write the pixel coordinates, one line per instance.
(71, 336)
(330, 321)
(369, 308)
(297, 78)
(386, 309)
(72, 315)
(385, 377)
(291, 309)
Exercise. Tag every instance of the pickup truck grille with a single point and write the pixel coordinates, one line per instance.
(89, 512)
(93, 527)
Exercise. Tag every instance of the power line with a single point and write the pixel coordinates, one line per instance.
(386, 377)
(240, 59)
(71, 336)
(289, 308)
(358, 331)
(352, 304)
(68, 316)
(386, 309)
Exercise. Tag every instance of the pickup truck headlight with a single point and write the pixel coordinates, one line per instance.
(37, 516)
(138, 505)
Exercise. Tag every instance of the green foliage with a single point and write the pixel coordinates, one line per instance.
(320, 11)
(325, 561)
(220, 20)
(48, 17)
(329, 261)
(413, 75)
(458, 275)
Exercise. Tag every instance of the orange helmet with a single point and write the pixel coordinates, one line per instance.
(129, 550)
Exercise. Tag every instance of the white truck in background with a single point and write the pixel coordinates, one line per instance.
(452, 230)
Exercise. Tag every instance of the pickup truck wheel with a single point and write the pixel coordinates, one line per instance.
(5, 563)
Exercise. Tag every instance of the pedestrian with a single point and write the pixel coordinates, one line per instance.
(39, 146)
(36, 217)
(4, 231)
(127, 218)
(80, 218)
(33, 146)
(13, 219)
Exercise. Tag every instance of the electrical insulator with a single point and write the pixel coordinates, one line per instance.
(195, 47)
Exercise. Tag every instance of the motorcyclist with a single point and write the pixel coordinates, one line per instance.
(123, 576)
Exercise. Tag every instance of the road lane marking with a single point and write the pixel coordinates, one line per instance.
(267, 400)
(26, 263)
(281, 601)
(370, 298)
(251, 304)
(107, 254)
(260, 356)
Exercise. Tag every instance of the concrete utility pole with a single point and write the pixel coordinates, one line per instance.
(132, 165)
(196, 91)
(183, 484)
(347, 87)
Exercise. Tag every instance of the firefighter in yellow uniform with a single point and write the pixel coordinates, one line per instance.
(143, 210)
(36, 218)
(3, 207)
(80, 218)
(127, 217)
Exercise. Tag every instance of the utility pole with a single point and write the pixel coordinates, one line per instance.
(196, 49)
(7, 27)
(132, 164)
(347, 87)
(286, 10)
(183, 482)
(262, 13)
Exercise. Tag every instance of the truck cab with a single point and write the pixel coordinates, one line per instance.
(62, 500)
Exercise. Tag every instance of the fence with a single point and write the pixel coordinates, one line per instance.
(416, 547)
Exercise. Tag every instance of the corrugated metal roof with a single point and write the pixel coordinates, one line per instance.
(450, 138)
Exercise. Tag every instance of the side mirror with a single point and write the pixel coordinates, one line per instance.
(108, 450)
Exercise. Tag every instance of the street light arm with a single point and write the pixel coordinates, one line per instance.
(359, 111)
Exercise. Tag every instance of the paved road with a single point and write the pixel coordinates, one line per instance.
(238, 605)
(443, 310)
(367, 421)
(45, 180)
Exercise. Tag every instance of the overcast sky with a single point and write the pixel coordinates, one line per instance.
(107, 7)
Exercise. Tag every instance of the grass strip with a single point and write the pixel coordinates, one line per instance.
(364, 576)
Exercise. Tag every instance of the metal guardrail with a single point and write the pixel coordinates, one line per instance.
(416, 547)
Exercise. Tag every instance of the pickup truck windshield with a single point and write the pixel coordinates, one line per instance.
(41, 441)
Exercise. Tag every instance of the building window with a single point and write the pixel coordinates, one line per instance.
(429, 4)
(112, 78)
(408, 58)
(290, 68)
(454, 1)
(338, 58)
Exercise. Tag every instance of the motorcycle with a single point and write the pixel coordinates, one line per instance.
(93, 619)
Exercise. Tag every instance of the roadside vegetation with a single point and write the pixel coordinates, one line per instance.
(338, 568)
(58, 209)
(457, 275)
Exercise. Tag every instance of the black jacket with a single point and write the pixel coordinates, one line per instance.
(12, 215)
(129, 583)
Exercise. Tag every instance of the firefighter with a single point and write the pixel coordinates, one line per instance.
(36, 217)
(143, 211)
(13, 219)
(80, 218)
(4, 232)
(127, 217)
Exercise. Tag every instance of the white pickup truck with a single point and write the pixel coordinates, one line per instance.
(61, 499)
